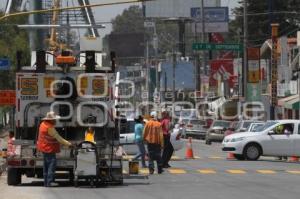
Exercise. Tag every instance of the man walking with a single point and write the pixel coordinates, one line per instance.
(49, 144)
(168, 148)
(153, 136)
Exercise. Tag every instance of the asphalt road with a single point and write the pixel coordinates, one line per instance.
(210, 175)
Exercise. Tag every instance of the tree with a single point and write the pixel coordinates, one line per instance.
(12, 39)
(130, 21)
(261, 14)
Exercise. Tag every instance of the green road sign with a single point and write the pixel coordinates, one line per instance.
(208, 46)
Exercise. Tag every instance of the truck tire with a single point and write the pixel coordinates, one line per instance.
(14, 176)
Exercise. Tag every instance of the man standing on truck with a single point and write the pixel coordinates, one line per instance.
(153, 136)
(49, 144)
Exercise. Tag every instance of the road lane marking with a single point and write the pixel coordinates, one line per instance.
(144, 171)
(177, 171)
(215, 157)
(265, 171)
(197, 157)
(236, 171)
(207, 171)
(174, 157)
(293, 171)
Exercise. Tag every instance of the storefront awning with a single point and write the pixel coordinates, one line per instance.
(292, 104)
(286, 99)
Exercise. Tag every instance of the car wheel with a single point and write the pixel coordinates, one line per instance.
(208, 142)
(239, 156)
(252, 152)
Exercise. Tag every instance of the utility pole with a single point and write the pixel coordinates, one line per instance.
(245, 42)
(202, 41)
(173, 89)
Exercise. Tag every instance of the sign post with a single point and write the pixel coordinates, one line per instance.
(274, 57)
(4, 64)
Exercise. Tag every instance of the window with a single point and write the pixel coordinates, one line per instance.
(283, 129)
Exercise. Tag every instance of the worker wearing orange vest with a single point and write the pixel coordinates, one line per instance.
(153, 136)
(49, 144)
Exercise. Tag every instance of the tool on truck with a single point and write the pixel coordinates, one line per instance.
(76, 93)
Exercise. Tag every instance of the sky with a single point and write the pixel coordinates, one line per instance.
(107, 13)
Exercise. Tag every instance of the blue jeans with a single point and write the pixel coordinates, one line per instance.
(49, 168)
(142, 152)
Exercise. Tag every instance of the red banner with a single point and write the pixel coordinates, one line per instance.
(7, 97)
(222, 70)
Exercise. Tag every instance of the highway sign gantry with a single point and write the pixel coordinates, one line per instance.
(209, 46)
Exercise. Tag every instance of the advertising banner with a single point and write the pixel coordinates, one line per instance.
(222, 70)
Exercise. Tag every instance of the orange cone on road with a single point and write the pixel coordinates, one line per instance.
(293, 159)
(189, 150)
(230, 156)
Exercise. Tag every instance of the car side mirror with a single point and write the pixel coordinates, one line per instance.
(271, 132)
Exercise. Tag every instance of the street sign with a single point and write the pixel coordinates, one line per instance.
(211, 14)
(209, 46)
(7, 97)
(4, 64)
(149, 24)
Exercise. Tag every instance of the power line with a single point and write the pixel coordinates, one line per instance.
(69, 8)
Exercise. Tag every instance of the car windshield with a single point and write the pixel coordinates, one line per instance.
(265, 126)
(188, 113)
(246, 124)
(127, 127)
(221, 124)
(255, 127)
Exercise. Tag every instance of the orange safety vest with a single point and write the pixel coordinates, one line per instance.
(46, 143)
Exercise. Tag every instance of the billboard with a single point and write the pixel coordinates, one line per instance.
(215, 18)
(174, 8)
(222, 71)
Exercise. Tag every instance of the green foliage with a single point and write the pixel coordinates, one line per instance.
(259, 24)
(12, 40)
(130, 21)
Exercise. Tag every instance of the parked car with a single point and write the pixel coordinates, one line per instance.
(128, 142)
(274, 138)
(240, 126)
(194, 128)
(216, 132)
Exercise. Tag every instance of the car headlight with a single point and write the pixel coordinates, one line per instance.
(237, 139)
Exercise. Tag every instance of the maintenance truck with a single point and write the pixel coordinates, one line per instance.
(83, 95)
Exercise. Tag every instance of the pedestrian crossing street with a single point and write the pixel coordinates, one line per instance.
(209, 171)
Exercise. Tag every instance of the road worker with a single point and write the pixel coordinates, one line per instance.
(49, 144)
(153, 136)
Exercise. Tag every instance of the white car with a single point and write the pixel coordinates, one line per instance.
(275, 138)
(128, 142)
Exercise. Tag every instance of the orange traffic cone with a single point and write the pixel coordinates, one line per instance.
(230, 156)
(189, 150)
(293, 159)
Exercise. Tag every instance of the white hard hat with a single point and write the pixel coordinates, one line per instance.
(153, 114)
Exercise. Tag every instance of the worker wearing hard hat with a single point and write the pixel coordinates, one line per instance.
(153, 136)
(49, 144)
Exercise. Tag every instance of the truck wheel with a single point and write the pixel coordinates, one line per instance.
(14, 176)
